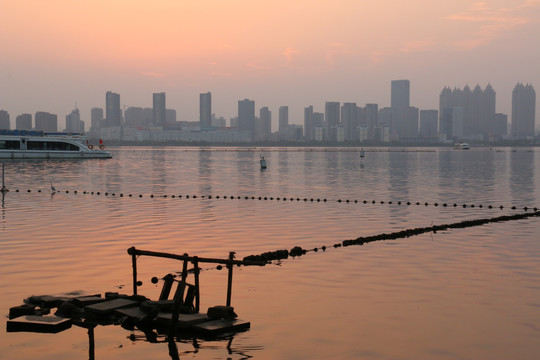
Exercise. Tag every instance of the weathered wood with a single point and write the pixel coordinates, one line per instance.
(38, 324)
(88, 300)
(133, 251)
(216, 327)
(110, 306)
(184, 321)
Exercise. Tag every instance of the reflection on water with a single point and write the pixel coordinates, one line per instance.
(462, 293)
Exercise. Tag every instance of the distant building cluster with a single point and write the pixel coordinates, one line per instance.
(463, 114)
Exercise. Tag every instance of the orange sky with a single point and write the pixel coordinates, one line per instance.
(57, 53)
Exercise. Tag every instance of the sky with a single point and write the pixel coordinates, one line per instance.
(56, 55)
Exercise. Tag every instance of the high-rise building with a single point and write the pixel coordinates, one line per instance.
(46, 121)
(113, 113)
(308, 123)
(265, 117)
(283, 119)
(74, 123)
(246, 116)
(400, 94)
(205, 110)
(500, 126)
(159, 115)
(349, 119)
(371, 119)
(332, 112)
(96, 118)
(23, 122)
(4, 120)
(137, 116)
(523, 111)
(429, 123)
(478, 108)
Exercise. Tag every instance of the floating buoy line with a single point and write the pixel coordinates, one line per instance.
(279, 255)
(293, 199)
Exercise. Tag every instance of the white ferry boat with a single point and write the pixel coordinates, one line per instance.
(33, 144)
(461, 146)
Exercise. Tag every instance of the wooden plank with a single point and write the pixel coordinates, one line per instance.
(107, 307)
(88, 300)
(134, 312)
(38, 324)
(215, 327)
(184, 320)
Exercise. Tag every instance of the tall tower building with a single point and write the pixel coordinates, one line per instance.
(96, 118)
(113, 113)
(283, 119)
(308, 123)
(428, 123)
(205, 110)
(265, 116)
(246, 116)
(23, 122)
(73, 122)
(332, 112)
(4, 120)
(349, 118)
(46, 121)
(478, 109)
(400, 94)
(371, 118)
(159, 115)
(523, 111)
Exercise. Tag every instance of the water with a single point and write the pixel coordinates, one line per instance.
(459, 294)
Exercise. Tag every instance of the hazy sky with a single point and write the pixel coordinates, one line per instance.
(58, 53)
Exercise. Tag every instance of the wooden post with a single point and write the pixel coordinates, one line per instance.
(184, 269)
(196, 274)
(134, 265)
(230, 265)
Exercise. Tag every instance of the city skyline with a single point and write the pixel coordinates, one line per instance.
(275, 53)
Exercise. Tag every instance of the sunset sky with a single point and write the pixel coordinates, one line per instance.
(58, 53)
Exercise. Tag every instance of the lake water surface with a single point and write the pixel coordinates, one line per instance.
(471, 293)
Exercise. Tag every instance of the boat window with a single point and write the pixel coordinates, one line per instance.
(51, 145)
(10, 145)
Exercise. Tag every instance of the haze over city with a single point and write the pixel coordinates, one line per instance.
(60, 54)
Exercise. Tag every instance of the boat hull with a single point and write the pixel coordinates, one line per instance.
(30, 154)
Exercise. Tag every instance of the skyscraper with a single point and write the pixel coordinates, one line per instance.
(96, 118)
(23, 122)
(265, 116)
(46, 121)
(205, 110)
(283, 119)
(4, 120)
(428, 123)
(523, 111)
(478, 107)
(113, 113)
(246, 116)
(73, 122)
(308, 123)
(349, 118)
(332, 112)
(159, 115)
(400, 94)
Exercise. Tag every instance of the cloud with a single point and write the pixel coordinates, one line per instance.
(491, 23)
(289, 53)
(152, 74)
(417, 45)
(334, 51)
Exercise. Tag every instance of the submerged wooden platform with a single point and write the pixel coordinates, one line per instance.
(39, 324)
(127, 311)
